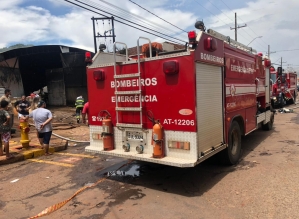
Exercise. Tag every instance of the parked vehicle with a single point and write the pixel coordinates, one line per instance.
(283, 87)
(178, 108)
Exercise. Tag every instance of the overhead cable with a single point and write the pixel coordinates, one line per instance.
(126, 23)
(157, 16)
(244, 21)
(127, 20)
(142, 19)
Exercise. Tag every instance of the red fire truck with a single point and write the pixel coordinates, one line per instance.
(284, 87)
(178, 108)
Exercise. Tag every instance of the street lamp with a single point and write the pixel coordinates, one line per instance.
(254, 39)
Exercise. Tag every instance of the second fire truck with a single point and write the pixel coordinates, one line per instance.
(180, 107)
(284, 87)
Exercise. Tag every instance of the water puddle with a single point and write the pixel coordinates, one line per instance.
(132, 171)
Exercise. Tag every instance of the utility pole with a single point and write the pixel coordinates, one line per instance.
(99, 35)
(237, 27)
(269, 51)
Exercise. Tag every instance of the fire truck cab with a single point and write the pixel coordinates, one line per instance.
(178, 108)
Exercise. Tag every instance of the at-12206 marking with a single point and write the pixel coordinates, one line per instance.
(186, 122)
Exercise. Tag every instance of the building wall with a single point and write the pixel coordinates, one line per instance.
(73, 92)
(56, 87)
(11, 78)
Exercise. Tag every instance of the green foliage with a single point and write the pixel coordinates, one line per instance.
(16, 46)
(121, 51)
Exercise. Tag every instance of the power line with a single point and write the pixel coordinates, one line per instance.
(244, 21)
(122, 21)
(125, 14)
(128, 21)
(286, 50)
(135, 16)
(213, 14)
(158, 16)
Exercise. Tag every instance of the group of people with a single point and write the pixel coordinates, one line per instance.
(42, 118)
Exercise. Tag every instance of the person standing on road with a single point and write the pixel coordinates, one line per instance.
(22, 107)
(6, 96)
(85, 111)
(5, 128)
(79, 107)
(42, 119)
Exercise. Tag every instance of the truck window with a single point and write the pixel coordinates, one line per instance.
(283, 78)
(273, 77)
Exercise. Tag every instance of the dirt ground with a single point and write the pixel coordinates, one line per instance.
(264, 184)
(64, 124)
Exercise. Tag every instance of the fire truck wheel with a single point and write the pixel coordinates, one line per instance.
(233, 151)
(269, 125)
(282, 101)
(293, 100)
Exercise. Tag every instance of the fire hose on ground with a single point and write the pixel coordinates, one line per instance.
(61, 204)
(64, 138)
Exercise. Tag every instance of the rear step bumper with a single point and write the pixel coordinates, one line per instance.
(170, 161)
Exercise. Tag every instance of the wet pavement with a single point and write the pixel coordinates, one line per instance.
(264, 184)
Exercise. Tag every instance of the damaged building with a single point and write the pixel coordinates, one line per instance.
(61, 69)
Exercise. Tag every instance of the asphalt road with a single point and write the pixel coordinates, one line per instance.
(263, 185)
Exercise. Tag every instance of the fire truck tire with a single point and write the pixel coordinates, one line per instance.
(269, 125)
(282, 101)
(231, 154)
(293, 100)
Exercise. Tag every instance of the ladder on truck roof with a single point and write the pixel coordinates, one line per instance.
(230, 41)
(129, 92)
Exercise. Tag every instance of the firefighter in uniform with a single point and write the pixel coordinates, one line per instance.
(79, 107)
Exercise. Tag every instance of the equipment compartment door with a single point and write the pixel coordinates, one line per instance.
(209, 104)
(250, 119)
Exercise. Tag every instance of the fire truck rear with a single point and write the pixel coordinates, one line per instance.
(284, 89)
(178, 108)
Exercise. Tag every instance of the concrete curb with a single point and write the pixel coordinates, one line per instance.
(30, 153)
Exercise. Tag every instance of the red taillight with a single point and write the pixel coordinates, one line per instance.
(260, 54)
(192, 37)
(99, 75)
(267, 63)
(88, 57)
(171, 67)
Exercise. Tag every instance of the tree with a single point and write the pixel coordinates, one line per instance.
(16, 46)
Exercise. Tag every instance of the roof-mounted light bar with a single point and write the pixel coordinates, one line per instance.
(230, 41)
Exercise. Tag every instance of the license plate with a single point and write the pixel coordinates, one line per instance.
(135, 136)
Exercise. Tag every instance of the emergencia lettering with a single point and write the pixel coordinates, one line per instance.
(243, 69)
(135, 98)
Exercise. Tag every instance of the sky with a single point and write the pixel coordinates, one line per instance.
(61, 22)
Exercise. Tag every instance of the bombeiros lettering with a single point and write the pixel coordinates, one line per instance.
(211, 58)
(135, 82)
